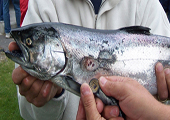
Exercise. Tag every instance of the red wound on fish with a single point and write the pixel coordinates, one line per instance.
(89, 64)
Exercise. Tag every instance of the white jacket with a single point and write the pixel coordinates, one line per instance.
(113, 14)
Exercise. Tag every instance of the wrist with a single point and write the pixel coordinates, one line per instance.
(160, 112)
(164, 112)
(155, 110)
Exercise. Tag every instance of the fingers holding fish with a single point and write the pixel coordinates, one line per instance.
(110, 112)
(18, 75)
(13, 46)
(33, 92)
(161, 82)
(55, 91)
(81, 111)
(87, 103)
(167, 76)
(32, 88)
(81, 115)
(99, 105)
(46, 92)
(87, 107)
(40, 92)
(126, 91)
(26, 84)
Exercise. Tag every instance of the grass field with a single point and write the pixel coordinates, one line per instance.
(9, 109)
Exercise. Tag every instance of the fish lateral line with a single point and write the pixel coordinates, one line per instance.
(59, 51)
(159, 60)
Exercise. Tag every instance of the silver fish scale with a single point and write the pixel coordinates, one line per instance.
(122, 54)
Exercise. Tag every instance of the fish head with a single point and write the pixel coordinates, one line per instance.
(41, 52)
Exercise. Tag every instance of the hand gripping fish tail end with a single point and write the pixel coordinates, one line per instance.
(94, 85)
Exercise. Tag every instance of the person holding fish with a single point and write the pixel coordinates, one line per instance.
(137, 103)
(45, 100)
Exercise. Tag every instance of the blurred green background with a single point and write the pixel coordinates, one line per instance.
(9, 109)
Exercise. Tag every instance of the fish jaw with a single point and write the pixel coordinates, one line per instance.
(19, 56)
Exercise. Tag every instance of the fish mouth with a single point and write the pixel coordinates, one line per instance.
(19, 56)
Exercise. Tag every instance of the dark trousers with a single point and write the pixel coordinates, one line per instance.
(1, 10)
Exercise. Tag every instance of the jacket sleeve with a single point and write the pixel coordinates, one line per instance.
(152, 15)
(55, 108)
(35, 13)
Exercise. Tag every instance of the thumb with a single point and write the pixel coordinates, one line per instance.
(115, 86)
(88, 101)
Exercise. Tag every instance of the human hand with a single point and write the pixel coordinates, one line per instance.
(163, 81)
(91, 109)
(134, 100)
(36, 91)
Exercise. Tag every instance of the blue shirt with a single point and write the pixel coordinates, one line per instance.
(96, 4)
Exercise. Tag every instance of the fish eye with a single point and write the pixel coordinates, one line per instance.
(28, 41)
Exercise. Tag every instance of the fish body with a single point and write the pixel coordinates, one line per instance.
(56, 51)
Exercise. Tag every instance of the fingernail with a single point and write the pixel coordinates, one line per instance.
(159, 67)
(85, 90)
(114, 112)
(167, 71)
(102, 80)
(46, 90)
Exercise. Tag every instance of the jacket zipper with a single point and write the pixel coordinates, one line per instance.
(96, 16)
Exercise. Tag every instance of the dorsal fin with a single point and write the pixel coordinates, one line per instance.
(137, 30)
